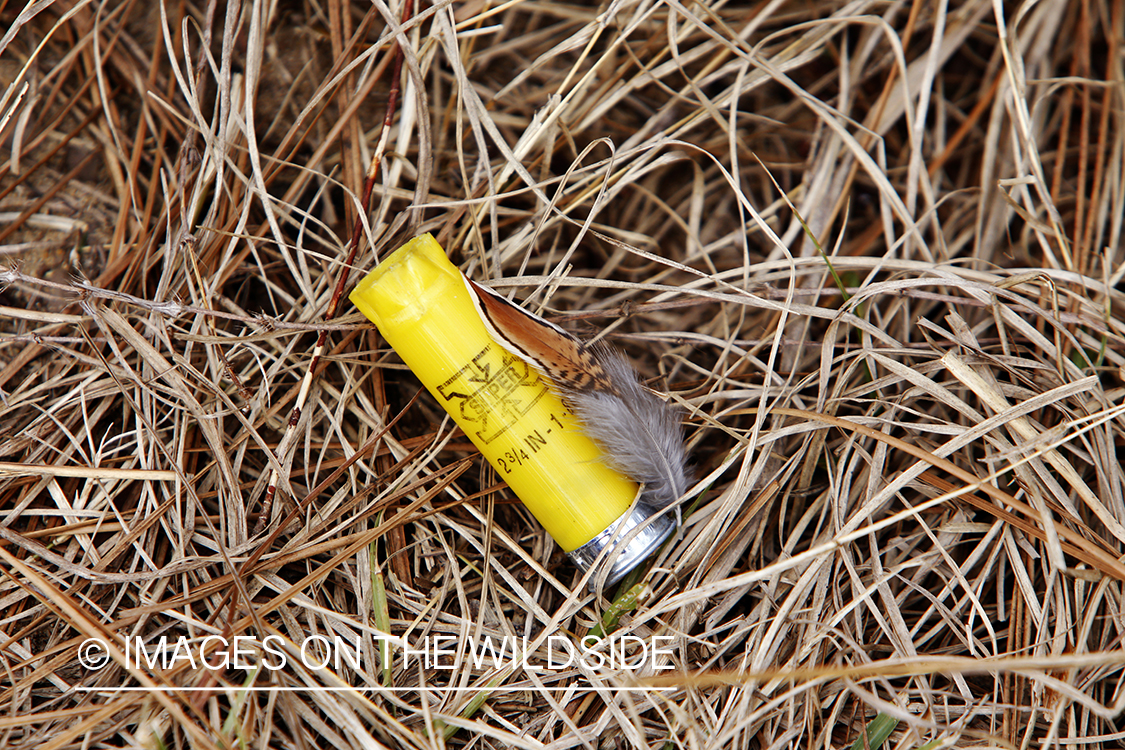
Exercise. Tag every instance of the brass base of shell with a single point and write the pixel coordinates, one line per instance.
(626, 542)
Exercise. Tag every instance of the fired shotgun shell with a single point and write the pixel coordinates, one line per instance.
(422, 307)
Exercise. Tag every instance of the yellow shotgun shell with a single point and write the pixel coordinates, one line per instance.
(422, 307)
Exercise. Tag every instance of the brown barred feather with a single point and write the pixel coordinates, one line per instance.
(638, 431)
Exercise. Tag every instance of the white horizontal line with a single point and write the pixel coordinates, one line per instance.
(286, 689)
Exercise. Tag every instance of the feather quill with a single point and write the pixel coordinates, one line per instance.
(640, 433)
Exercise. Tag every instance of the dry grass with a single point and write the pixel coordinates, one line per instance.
(873, 248)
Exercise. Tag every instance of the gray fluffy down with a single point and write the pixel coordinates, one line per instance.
(640, 433)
